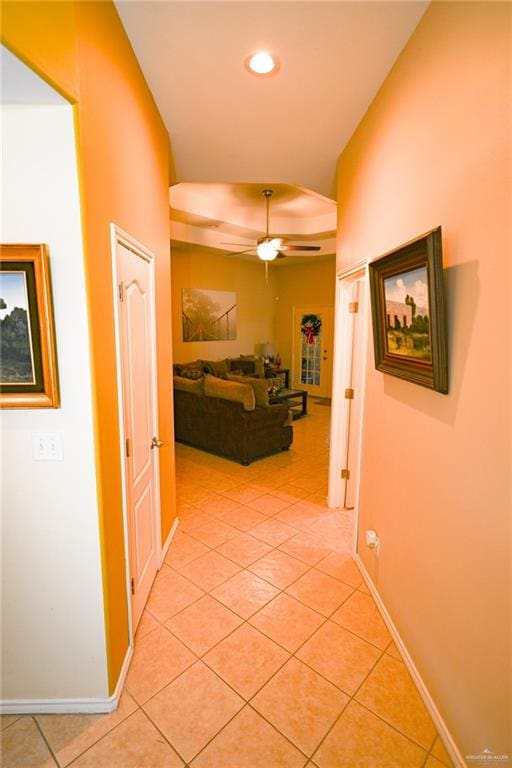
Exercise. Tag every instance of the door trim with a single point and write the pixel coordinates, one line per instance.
(119, 236)
(342, 361)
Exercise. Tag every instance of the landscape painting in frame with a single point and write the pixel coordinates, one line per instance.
(28, 372)
(408, 314)
(208, 315)
(16, 348)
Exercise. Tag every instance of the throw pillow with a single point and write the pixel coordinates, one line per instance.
(230, 390)
(260, 386)
(196, 386)
(250, 365)
(193, 370)
(217, 368)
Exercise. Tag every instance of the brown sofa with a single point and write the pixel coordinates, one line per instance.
(226, 428)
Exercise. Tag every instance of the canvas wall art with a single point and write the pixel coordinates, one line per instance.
(208, 315)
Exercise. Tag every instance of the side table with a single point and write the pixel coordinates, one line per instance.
(296, 399)
(281, 372)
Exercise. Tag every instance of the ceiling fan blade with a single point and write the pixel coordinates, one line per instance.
(277, 242)
(299, 248)
(239, 253)
(240, 244)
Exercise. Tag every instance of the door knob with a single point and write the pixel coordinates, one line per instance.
(156, 443)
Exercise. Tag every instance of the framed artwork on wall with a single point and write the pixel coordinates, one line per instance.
(208, 315)
(408, 312)
(28, 362)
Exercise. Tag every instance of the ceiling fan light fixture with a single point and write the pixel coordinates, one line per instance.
(261, 63)
(268, 250)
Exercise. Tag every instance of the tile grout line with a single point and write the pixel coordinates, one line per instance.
(52, 753)
(168, 741)
(17, 717)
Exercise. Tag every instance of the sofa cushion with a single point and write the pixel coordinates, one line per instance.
(260, 386)
(250, 365)
(230, 390)
(192, 370)
(217, 368)
(189, 385)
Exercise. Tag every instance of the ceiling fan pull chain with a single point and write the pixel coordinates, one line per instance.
(269, 248)
(266, 272)
(267, 193)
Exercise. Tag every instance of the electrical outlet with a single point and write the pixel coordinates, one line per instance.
(373, 542)
(47, 446)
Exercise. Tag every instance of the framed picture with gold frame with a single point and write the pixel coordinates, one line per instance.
(28, 361)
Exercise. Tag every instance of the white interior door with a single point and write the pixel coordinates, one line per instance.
(312, 349)
(348, 388)
(354, 386)
(137, 353)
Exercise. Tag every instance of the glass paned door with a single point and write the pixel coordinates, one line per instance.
(313, 349)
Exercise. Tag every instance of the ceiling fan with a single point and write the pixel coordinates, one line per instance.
(267, 247)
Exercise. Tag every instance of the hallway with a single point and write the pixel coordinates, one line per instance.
(260, 646)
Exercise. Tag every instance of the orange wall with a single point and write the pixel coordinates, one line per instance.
(435, 149)
(299, 285)
(124, 162)
(199, 268)
(44, 36)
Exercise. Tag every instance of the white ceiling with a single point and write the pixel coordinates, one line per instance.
(233, 134)
(225, 124)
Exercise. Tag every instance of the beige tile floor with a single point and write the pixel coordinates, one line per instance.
(260, 646)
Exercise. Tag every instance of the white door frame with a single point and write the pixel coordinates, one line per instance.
(117, 235)
(342, 366)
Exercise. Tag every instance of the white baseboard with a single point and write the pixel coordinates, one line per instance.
(68, 706)
(167, 544)
(434, 713)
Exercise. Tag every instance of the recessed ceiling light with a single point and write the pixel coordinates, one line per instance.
(262, 63)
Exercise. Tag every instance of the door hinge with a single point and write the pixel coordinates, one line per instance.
(349, 394)
(345, 474)
(353, 307)
(128, 447)
(132, 586)
(121, 291)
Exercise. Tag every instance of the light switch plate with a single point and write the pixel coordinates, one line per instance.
(47, 446)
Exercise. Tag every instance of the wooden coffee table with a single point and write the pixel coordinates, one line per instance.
(297, 400)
